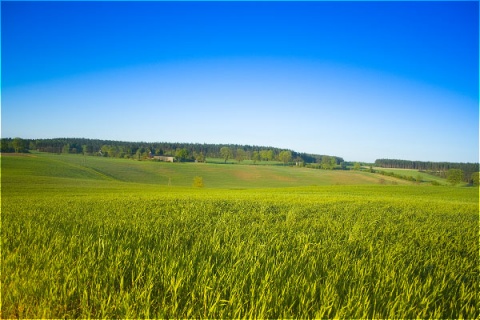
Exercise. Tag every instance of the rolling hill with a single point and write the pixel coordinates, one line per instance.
(45, 168)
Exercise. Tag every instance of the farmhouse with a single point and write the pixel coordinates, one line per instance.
(163, 158)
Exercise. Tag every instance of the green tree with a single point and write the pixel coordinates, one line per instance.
(255, 156)
(419, 178)
(6, 146)
(356, 166)
(454, 176)
(18, 145)
(66, 148)
(140, 154)
(105, 149)
(333, 163)
(475, 178)
(285, 156)
(182, 154)
(263, 155)
(266, 155)
(226, 153)
(326, 163)
(240, 155)
(270, 155)
(112, 151)
(121, 152)
(199, 156)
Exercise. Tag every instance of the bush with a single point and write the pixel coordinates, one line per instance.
(198, 182)
(475, 178)
(454, 176)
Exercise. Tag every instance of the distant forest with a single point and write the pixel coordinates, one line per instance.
(144, 150)
(199, 152)
(436, 168)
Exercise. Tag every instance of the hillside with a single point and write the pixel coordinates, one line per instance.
(107, 238)
(53, 168)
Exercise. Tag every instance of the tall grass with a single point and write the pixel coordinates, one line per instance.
(349, 252)
(235, 176)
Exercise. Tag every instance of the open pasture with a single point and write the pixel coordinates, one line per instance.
(41, 166)
(80, 242)
(425, 177)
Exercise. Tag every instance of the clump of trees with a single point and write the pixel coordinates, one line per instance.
(182, 155)
(475, 178)
(439, 169)
(16, 145)
(454, 176)
(418, 178)
(328, 163)
(285, 156)
(143, 150)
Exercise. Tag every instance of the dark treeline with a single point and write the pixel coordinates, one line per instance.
(144, 150)
(437, 168)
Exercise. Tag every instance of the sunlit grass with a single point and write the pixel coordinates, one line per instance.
(100, 248)
(215, 175)
(308, 252)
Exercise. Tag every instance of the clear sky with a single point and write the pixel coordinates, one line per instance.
(359, 80)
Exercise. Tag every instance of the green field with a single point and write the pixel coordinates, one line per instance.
(425, 177)
(104, 238)
(215, 175)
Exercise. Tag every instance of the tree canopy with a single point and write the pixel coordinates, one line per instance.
(454, 176)
(285, 156)
(226, 153)
(436, 168)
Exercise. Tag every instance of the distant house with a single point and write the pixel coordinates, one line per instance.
(163, 158)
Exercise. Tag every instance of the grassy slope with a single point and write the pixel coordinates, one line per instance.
(116, 242)
(47, 168)
(413, 173)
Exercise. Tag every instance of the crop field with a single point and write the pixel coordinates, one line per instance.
(84, 241)
(44, 167)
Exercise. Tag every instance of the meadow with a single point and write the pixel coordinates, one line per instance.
(106, 238)
(415, 174)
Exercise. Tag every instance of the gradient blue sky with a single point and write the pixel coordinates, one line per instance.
(360, 80)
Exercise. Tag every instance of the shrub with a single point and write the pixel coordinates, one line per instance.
(198, 182)
(454, 176)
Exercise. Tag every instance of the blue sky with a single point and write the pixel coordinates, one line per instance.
(360, 80)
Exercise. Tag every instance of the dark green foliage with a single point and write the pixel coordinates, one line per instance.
(226, 153)
(137, 150)
(285, 156)
(182, 154)
(475, 178)
(436, 168)
(454, 176)
(17, 145)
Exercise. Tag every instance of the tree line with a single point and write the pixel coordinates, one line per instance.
(182, 151)
(440, 169)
